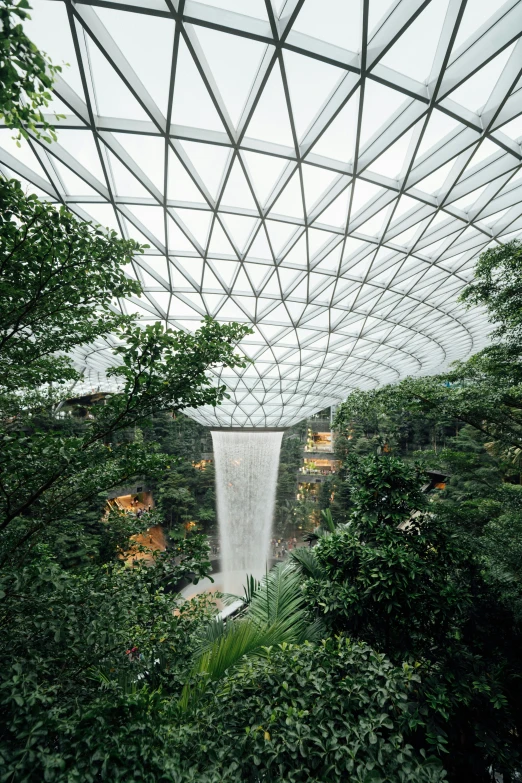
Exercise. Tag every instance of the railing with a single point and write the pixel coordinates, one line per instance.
(319, 425)
(323, 447)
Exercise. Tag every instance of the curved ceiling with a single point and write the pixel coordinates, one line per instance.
(327, 170)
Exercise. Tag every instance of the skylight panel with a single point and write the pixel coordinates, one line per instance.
(282, 171)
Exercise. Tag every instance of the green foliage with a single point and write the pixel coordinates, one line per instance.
(497, 285)
(58, 277)
(26, 75)
(399, 577)
(185, 492)
(315, 713)
(290, 460)
(500, 546)
(384, 575)
(71, 686)
(277, 613)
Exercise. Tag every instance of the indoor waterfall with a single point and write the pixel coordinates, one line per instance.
(247, 463)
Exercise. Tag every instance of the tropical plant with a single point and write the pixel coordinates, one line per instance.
(399, 578)
(26, 76)
(86, 654)
(276, 613)
(310, 713)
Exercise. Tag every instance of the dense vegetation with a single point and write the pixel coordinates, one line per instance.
(391, 651)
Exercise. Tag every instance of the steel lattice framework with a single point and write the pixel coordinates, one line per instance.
(326, 170)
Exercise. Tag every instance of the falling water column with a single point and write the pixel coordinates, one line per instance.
(247, 463)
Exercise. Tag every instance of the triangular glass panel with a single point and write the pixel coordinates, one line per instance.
(270, 121)
(210, 281)
(316, 240)
(484, 151)
(149, 154)
(380, 103)
(212, 302)
(279, 234)
(80, 144)
(260, 247)
(242, 283)
(240, 229)
(298, 254)
(475, 91)
(405, 203)
(152, 218)
(475, 14)
(331, 261)
(256, 274)
(295, 310)
(197, 301)
(394, 160)
(113, 97)
(23, 153)
(225, 270)
(255, 8)
(48, 27)
(439, 126)
(337, 213)
(264, 172)
(178, 281)
(290, 202)
(337, 22)
(192, 104)
(513, 128)
(209, 160)
(153, 38)
(364, 193)
(310, 83)
(161, 299)
(158, 265)
(375, 224)
(301, 292)
(433, 182)
(180, 186)
(316, 182)
(247, 304)
(193, 267)
(219, 243)
(177, 241)
(237, 192)
(280, 315)
(338, 140)
(287, 278)
(230, 310)
(234, 62)
(125, 183)
(104, 215)
(414, 52)
(198, 223)
(272, 286)
(467, 201)
(135, 233)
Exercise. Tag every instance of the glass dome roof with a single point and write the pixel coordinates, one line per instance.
(326, 170)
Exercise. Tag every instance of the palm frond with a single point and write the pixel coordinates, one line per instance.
(278, 596)
(237, 639)
(327, 516)
(306, 562)
(249, 588)
(277, 613)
